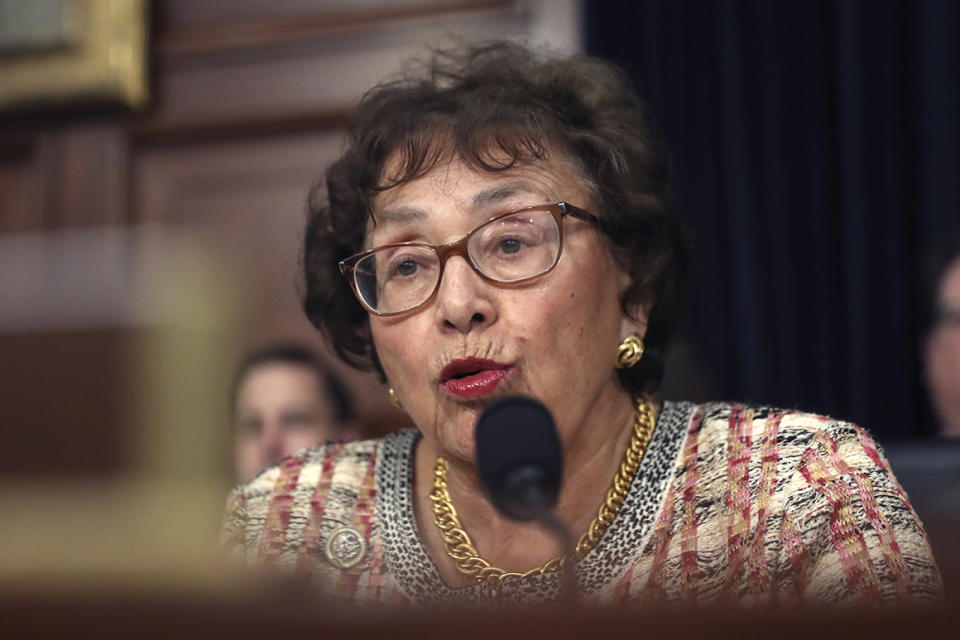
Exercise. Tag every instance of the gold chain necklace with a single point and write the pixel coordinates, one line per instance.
(460, 546)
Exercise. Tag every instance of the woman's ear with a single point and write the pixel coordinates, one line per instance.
(636, 314)
(636, 317)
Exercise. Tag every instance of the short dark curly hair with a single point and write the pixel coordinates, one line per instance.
(495, 105)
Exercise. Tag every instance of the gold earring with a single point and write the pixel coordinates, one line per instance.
(630, 351)
(395, 399)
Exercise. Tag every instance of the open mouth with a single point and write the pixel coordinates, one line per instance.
(473, 377)
(465, 374)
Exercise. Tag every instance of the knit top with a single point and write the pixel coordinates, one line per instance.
(731, 503)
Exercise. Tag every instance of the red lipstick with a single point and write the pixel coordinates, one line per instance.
(473, 377)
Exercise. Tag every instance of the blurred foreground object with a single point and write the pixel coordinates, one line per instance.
(114, 469)
(277, 615)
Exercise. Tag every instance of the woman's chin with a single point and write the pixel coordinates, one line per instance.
(459, 446)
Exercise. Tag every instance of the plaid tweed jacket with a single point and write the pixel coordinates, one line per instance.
(731, 503)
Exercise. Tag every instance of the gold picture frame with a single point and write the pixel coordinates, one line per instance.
(97, 56)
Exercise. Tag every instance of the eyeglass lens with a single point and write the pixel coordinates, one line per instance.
(507, 249)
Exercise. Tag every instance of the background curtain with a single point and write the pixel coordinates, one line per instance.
(817, 151)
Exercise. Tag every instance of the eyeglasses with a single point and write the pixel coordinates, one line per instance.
(509, 248)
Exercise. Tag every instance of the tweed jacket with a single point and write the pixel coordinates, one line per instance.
(731, 503)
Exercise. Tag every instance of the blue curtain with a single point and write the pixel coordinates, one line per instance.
(817, 152)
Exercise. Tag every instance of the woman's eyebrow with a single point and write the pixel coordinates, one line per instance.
(499, 192)
(399, 215)
(406, 215)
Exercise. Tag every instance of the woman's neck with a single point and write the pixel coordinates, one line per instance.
(593, 452)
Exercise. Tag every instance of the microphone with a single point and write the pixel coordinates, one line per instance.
(519, 459)
(520, 464)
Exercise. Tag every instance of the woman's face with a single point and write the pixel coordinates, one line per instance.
(553, 338)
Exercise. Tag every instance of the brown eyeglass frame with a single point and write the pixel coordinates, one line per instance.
(459, 248)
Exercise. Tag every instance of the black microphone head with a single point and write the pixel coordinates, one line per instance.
(519, 458)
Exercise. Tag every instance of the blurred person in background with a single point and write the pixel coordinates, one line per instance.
(284, 399)
(929, 469)
(941, 348)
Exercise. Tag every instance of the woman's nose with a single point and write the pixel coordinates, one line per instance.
(464, 299)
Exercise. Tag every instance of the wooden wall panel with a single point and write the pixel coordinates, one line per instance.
(249, 101)
(87, 180)
(320, 68)
(63, 412)
(63, 177)
(18, 193)
(114, 423)
(244, 203)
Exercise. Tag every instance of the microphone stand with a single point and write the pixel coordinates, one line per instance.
(553, 525)
(525, 496)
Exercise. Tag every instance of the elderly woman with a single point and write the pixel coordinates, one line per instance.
(499, 224)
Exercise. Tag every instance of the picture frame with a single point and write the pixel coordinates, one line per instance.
(66, 52)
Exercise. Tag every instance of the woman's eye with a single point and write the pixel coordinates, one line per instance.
(510, 245)
(406, 268)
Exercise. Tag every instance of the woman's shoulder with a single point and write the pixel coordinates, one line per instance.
(324, 467)
(309, 466)
(329, 483)
(800, 426)
(783, 432)
(806, 472)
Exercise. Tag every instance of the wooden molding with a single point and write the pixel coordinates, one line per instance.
(161, 131)
(190, 41)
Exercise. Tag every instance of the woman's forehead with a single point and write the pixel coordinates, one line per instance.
(472, 189)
